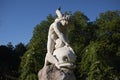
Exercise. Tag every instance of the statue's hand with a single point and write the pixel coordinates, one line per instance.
(57, 65)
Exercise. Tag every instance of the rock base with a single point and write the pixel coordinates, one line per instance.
(50, 72)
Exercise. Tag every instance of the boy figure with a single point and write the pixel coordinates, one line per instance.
(57, 36)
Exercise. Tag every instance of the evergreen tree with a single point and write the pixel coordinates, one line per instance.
(99, 59)
(97, 62)
(33, 59)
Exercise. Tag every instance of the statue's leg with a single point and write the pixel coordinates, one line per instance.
(49, 57)
(50, 45)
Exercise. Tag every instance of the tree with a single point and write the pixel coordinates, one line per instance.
(10, 46)
(6, 62)
(33, 59)
(77, 31)
(109, 26)
(20, 49)
(97, 62)
(99, 59)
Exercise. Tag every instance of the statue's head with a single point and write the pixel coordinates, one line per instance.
(65, 20)
(66, 17)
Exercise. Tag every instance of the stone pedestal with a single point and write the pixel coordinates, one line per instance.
(50, 72)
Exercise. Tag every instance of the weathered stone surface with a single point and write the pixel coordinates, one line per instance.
(50, 72)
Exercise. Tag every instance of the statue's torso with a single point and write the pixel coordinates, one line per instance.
(52, 32)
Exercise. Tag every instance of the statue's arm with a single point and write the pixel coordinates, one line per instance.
(59, 13)
(60, 34)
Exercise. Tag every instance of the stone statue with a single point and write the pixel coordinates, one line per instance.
(57, 36)
(59, 52)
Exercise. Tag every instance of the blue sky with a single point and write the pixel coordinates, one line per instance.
(19, 17)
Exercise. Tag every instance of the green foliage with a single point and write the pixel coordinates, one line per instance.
(31, 77)
(33, 59)
(100, 59)
(20, 49)
(29, 65)
(77, 31)
(10, 61)
(97, 62)
(108, 23)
